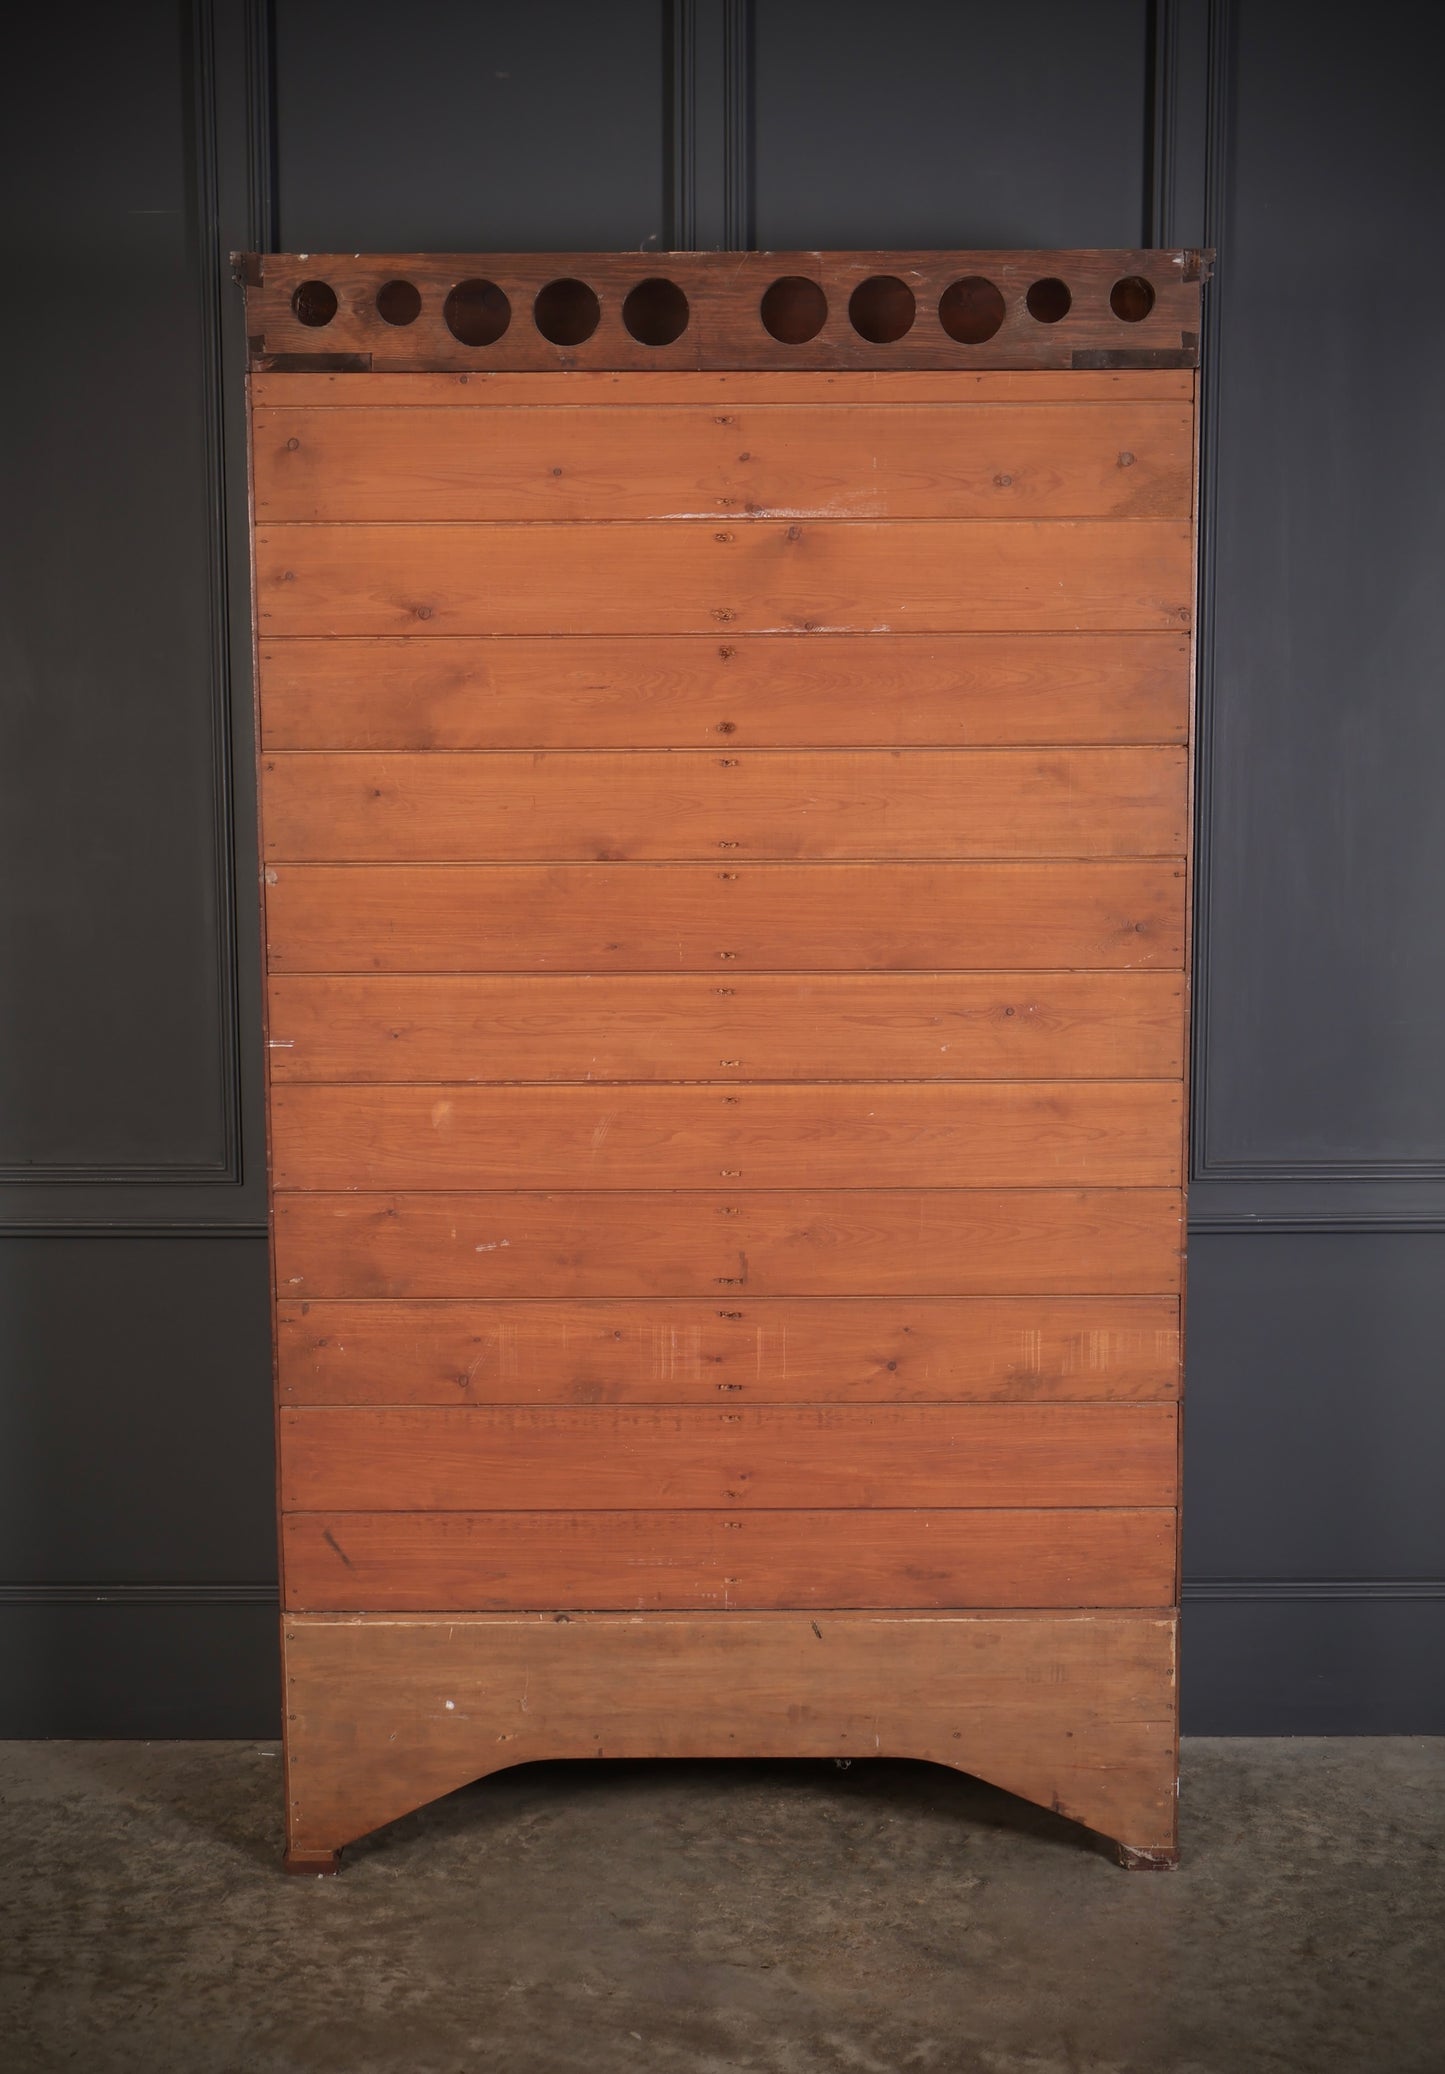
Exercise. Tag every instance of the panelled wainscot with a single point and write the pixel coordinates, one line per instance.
(724, 748)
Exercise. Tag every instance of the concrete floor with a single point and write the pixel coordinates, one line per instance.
(699, 1918)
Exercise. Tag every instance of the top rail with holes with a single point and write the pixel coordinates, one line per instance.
(530, 312)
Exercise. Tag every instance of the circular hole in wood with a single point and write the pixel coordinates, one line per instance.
(567, 312)
(1131, 299)
(881, 309)
(314, 303)
(476, 312)
(971, 310)
(398, 302)
(1049, 300)
(656, 312)
(793, 310)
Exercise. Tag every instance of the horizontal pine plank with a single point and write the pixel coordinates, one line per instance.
(481, 391)
(517, 806)
(871, 1134)
(644, 691)
(362, 1458)
(725, 918)
(657, 1242)
(953, 460)
(740, 1350)
(859, 576)
(764, 1026)
(396, 1562)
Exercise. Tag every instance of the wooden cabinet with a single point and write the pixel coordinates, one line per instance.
(725, 805)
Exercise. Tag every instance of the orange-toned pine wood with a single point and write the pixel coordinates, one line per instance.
(754, 575)
(365, 1458)
(863, 1134)
(511, 805)
(724, 918)
(658, 1242)
(688, 461)
(726, 867)
(744, 1350)
(477, 1562)
(762, 1026)
(479, 389)
(690, 691)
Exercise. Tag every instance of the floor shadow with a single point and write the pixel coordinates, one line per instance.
(906, 1785)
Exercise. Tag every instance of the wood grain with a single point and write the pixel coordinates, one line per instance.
(1075, 1711)
(724, 919)
(665, 691)
(402, 1562)
(726, 914)
(770, 1350)
(916, 1242)
(867, 1026)
(759, 575)
(521, 806)
(755, 460)
(871, 1134)
(463, 1458)
(479, 389)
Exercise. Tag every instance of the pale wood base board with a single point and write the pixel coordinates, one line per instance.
(1074, 1711)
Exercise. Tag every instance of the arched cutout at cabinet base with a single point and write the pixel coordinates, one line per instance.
(1072, 1711)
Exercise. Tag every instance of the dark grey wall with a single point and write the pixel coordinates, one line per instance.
(1315, 1422)
(135, 1479)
